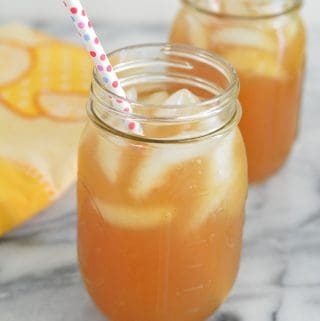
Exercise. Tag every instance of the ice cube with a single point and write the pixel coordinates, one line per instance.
(235, 7)
(132, 94)
(154, 168)
(108, 154)
(244, 37)
(198, 31)
(292, 26)
(182, 97)
(255, 62)
(214, 5)
(133, 216)
(157, 98)
(223, 158)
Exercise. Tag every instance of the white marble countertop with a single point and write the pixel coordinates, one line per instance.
(279, 279)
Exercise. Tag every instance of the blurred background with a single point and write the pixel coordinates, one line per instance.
(151, 20)
(113, 11)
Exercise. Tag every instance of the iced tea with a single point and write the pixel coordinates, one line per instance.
(160, 216)
(265, 41)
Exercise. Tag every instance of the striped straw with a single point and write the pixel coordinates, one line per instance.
(100, 59)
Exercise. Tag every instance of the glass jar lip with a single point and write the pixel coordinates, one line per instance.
(232, 89)
(296, 4)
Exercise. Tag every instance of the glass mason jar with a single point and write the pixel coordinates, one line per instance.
(265, 41)
(160, 214)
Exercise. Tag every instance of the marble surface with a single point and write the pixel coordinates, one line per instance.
(279, 278)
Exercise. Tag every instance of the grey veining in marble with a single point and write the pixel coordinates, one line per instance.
(279, 279)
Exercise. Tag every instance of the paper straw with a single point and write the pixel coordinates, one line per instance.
(97, 53)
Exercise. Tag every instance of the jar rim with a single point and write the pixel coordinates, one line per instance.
(232, 89)
(194, 4)
(223, 100)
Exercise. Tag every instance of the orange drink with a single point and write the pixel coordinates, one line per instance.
(160, 215)
(265, 41)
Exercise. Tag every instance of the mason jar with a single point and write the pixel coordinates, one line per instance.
(265, 41)
(160, 211)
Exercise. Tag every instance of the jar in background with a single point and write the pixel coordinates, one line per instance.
(265, 41)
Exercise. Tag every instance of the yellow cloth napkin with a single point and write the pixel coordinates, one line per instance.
(44, 85)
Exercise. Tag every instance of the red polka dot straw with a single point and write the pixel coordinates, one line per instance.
(100, 59)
